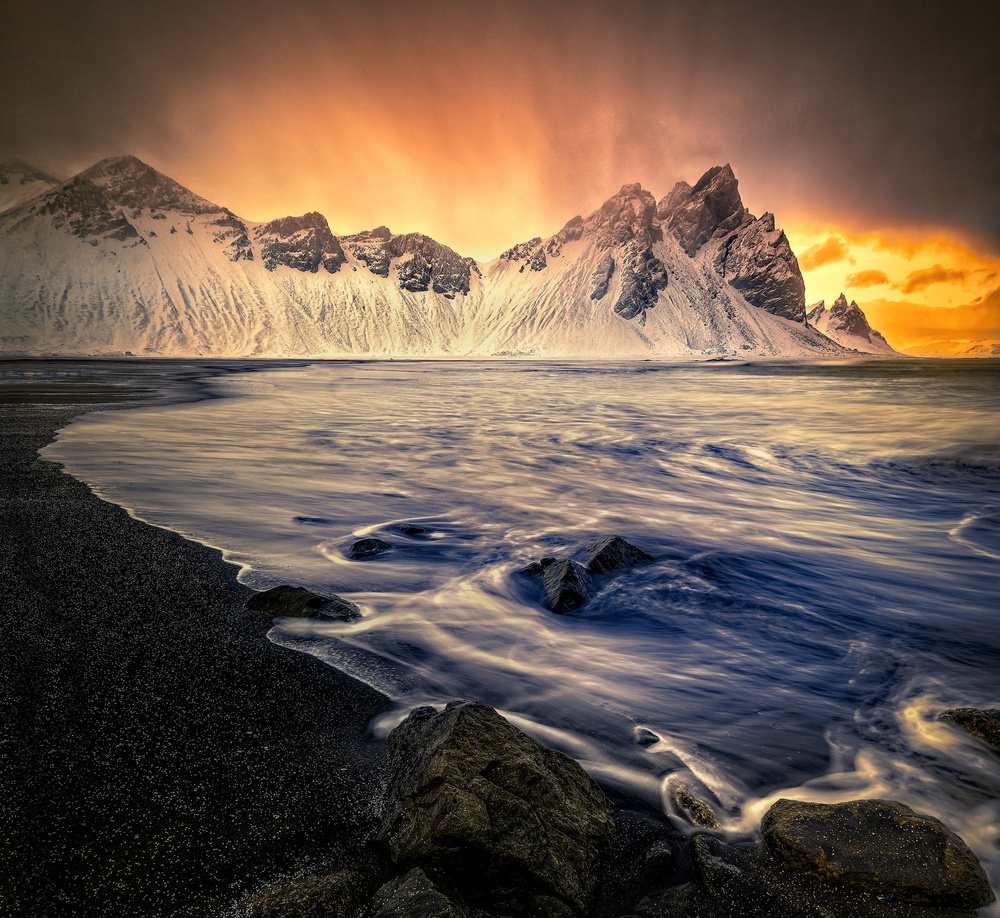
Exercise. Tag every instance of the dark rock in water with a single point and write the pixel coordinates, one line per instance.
(288, 601)
(410, 530)
(414, 896)
(337, 895)
(983, 724)
(567, 584)
(644, 737)
(879, 846)
(613, 554)
(368, 548)
(693, 808)
(499, 821)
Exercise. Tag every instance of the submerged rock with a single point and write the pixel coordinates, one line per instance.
(982, 724)
(411, 530)
(613, 554)
(693, 808)
(567, 584)
(336, 895)
(298, 602)
(414, 896)
(500, 821)
(879, 846)
(368, 548)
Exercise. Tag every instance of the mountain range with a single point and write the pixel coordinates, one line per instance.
(123, 259)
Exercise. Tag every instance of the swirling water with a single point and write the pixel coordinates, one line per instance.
(827, 541)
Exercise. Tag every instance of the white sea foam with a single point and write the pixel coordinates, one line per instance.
(823, 585)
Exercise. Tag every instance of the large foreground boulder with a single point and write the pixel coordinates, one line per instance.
(879, 846)
(500, 822)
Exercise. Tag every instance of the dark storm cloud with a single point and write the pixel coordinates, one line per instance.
(862, 113)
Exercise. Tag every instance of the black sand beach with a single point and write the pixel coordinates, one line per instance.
(158, 756)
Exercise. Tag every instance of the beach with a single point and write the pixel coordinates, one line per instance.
(158, 755)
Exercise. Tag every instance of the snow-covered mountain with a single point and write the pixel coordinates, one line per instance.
(122, 258)
(21, 182)
(848, 326)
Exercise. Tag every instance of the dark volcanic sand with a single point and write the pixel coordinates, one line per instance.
(158, 756)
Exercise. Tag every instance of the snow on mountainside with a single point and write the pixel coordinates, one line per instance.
(20, 182)
(848, 326)
(122, 258)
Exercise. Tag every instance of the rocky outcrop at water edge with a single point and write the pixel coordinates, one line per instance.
(503, 824)
(287, 602)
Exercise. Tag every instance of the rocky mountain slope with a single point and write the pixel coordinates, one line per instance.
(847, 325)
(20, 182)
(122, 258)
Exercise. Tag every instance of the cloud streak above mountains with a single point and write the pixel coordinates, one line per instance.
(484, 124)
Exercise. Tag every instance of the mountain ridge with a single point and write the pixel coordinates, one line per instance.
(121, 257)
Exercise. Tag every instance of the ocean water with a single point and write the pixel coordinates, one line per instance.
(827, 544)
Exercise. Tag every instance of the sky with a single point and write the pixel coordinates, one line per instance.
(484, 124)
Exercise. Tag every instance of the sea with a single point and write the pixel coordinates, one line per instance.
(826, 540)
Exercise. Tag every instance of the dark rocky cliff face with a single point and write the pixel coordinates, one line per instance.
(753, 256)
(626, 224)
(696, 214)
(81, 208)
(128, 182)
(425, 264)
(304, 243)
(758, 261)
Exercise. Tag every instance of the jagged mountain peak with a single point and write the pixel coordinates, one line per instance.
(713, 206)
(848, 317)
(129, 182)
(847, 324)
(626, 216)
(304, 243)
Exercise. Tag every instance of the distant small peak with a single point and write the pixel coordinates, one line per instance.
(840, 302)
(381, 232)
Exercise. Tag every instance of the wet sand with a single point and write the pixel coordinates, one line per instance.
(158, 756)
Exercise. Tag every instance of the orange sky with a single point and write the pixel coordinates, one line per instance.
(921, 293)
(485, 124)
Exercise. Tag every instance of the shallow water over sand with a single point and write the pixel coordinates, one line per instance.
(827, 542)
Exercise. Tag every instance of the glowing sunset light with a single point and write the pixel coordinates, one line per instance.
(483, 126)
(915, 291)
